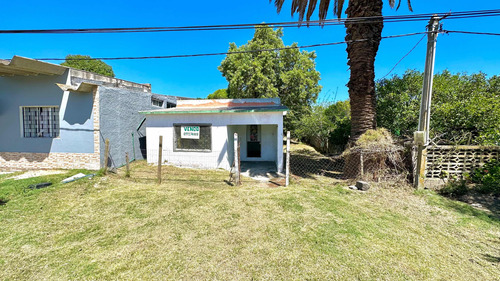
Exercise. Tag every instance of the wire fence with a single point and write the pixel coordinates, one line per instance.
(373, 165)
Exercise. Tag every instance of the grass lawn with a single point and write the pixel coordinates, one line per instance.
(195, 226)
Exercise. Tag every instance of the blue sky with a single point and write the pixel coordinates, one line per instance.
(198, 77)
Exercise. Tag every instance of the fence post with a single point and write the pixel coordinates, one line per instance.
(160, 149)
(236, 159)
(361, 165)
(127, 172)
(106, 155)
(287, 169)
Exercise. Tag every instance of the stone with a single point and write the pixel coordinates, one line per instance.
(353, 187)
(362, 185)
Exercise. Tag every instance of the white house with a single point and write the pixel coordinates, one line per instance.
(200, 133)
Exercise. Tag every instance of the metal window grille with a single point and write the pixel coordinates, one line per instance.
(41, 122)
(204, 143)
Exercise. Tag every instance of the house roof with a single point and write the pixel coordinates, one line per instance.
(29, 67)
(222, 106)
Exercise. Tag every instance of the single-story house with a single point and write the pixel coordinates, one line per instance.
(200, 133)
(52, 116)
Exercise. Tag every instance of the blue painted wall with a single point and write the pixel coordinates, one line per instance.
(75, 116)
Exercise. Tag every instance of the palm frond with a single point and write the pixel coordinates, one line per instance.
(311, 8)
(338, 7)
(278, 4)
(409, 6)
(323, 9)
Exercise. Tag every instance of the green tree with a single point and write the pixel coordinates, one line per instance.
(218, 94)
(88, 64)
(287, 73)
(339, 114)
(465, 109)
(326, 126)
(363, 40)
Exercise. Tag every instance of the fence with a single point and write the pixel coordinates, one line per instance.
(454, 161)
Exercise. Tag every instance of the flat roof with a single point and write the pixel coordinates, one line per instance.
(240, 109)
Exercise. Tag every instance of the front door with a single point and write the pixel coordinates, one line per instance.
(253, 141)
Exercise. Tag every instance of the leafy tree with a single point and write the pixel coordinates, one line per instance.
(363, 40)
(315, 127)
(465, 109)
(326, 126)
(339, 114)
(218, 94)
(88, 64)
(287, 73)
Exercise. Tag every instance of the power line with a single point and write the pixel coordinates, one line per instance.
(343, 21)
(471, 32)
(403, 57)
(230, 53)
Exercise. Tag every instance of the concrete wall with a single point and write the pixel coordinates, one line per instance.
(223, 127)
(75, 115)
(119, 118)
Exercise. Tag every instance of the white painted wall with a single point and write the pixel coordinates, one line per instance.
(222, 131)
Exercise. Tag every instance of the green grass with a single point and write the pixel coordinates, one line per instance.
(195, 226)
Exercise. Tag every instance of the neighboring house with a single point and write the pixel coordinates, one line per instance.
(52, 116)
(199, 133)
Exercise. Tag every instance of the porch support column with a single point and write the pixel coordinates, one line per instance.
(279, 148)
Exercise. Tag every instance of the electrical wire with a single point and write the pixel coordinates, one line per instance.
(320, 23)
(471, 32)
(403, 58)
(229, 53)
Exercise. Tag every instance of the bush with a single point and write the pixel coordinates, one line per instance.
(487, 177)
(454, 188)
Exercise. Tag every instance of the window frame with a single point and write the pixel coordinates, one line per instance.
(175, 149)
(157, 100)
(21, 117)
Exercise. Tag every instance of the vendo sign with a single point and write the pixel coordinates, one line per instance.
(190, 132)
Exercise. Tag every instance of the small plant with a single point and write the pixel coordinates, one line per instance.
(454, 188)
(487, 177)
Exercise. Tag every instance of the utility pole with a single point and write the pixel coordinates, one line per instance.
(422, 135)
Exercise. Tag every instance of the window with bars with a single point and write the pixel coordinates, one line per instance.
(203, 143)
(40, 121)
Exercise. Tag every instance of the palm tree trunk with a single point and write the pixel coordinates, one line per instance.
(361, 59)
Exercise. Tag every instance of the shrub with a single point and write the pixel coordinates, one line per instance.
(487, 177)
(454, 188)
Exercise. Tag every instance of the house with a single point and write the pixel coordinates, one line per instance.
(200, 133)
(52, 116)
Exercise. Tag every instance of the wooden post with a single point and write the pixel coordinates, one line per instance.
(236, 160)
(127, 172)
(106, 155)
(160, 150)
(361, 165)
(287, 171)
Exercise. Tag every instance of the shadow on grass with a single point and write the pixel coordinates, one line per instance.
(491, 258)
(3, 201)
(465, 209)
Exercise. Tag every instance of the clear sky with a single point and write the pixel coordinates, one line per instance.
(198, 77)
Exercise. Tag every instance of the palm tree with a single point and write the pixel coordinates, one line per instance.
(360, 53)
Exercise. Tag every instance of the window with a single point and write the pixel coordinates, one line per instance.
(156, 102)
(192, 137)
(40, 122)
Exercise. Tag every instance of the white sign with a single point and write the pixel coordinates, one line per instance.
(190, 132)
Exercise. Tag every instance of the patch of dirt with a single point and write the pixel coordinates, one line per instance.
(37, 173)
